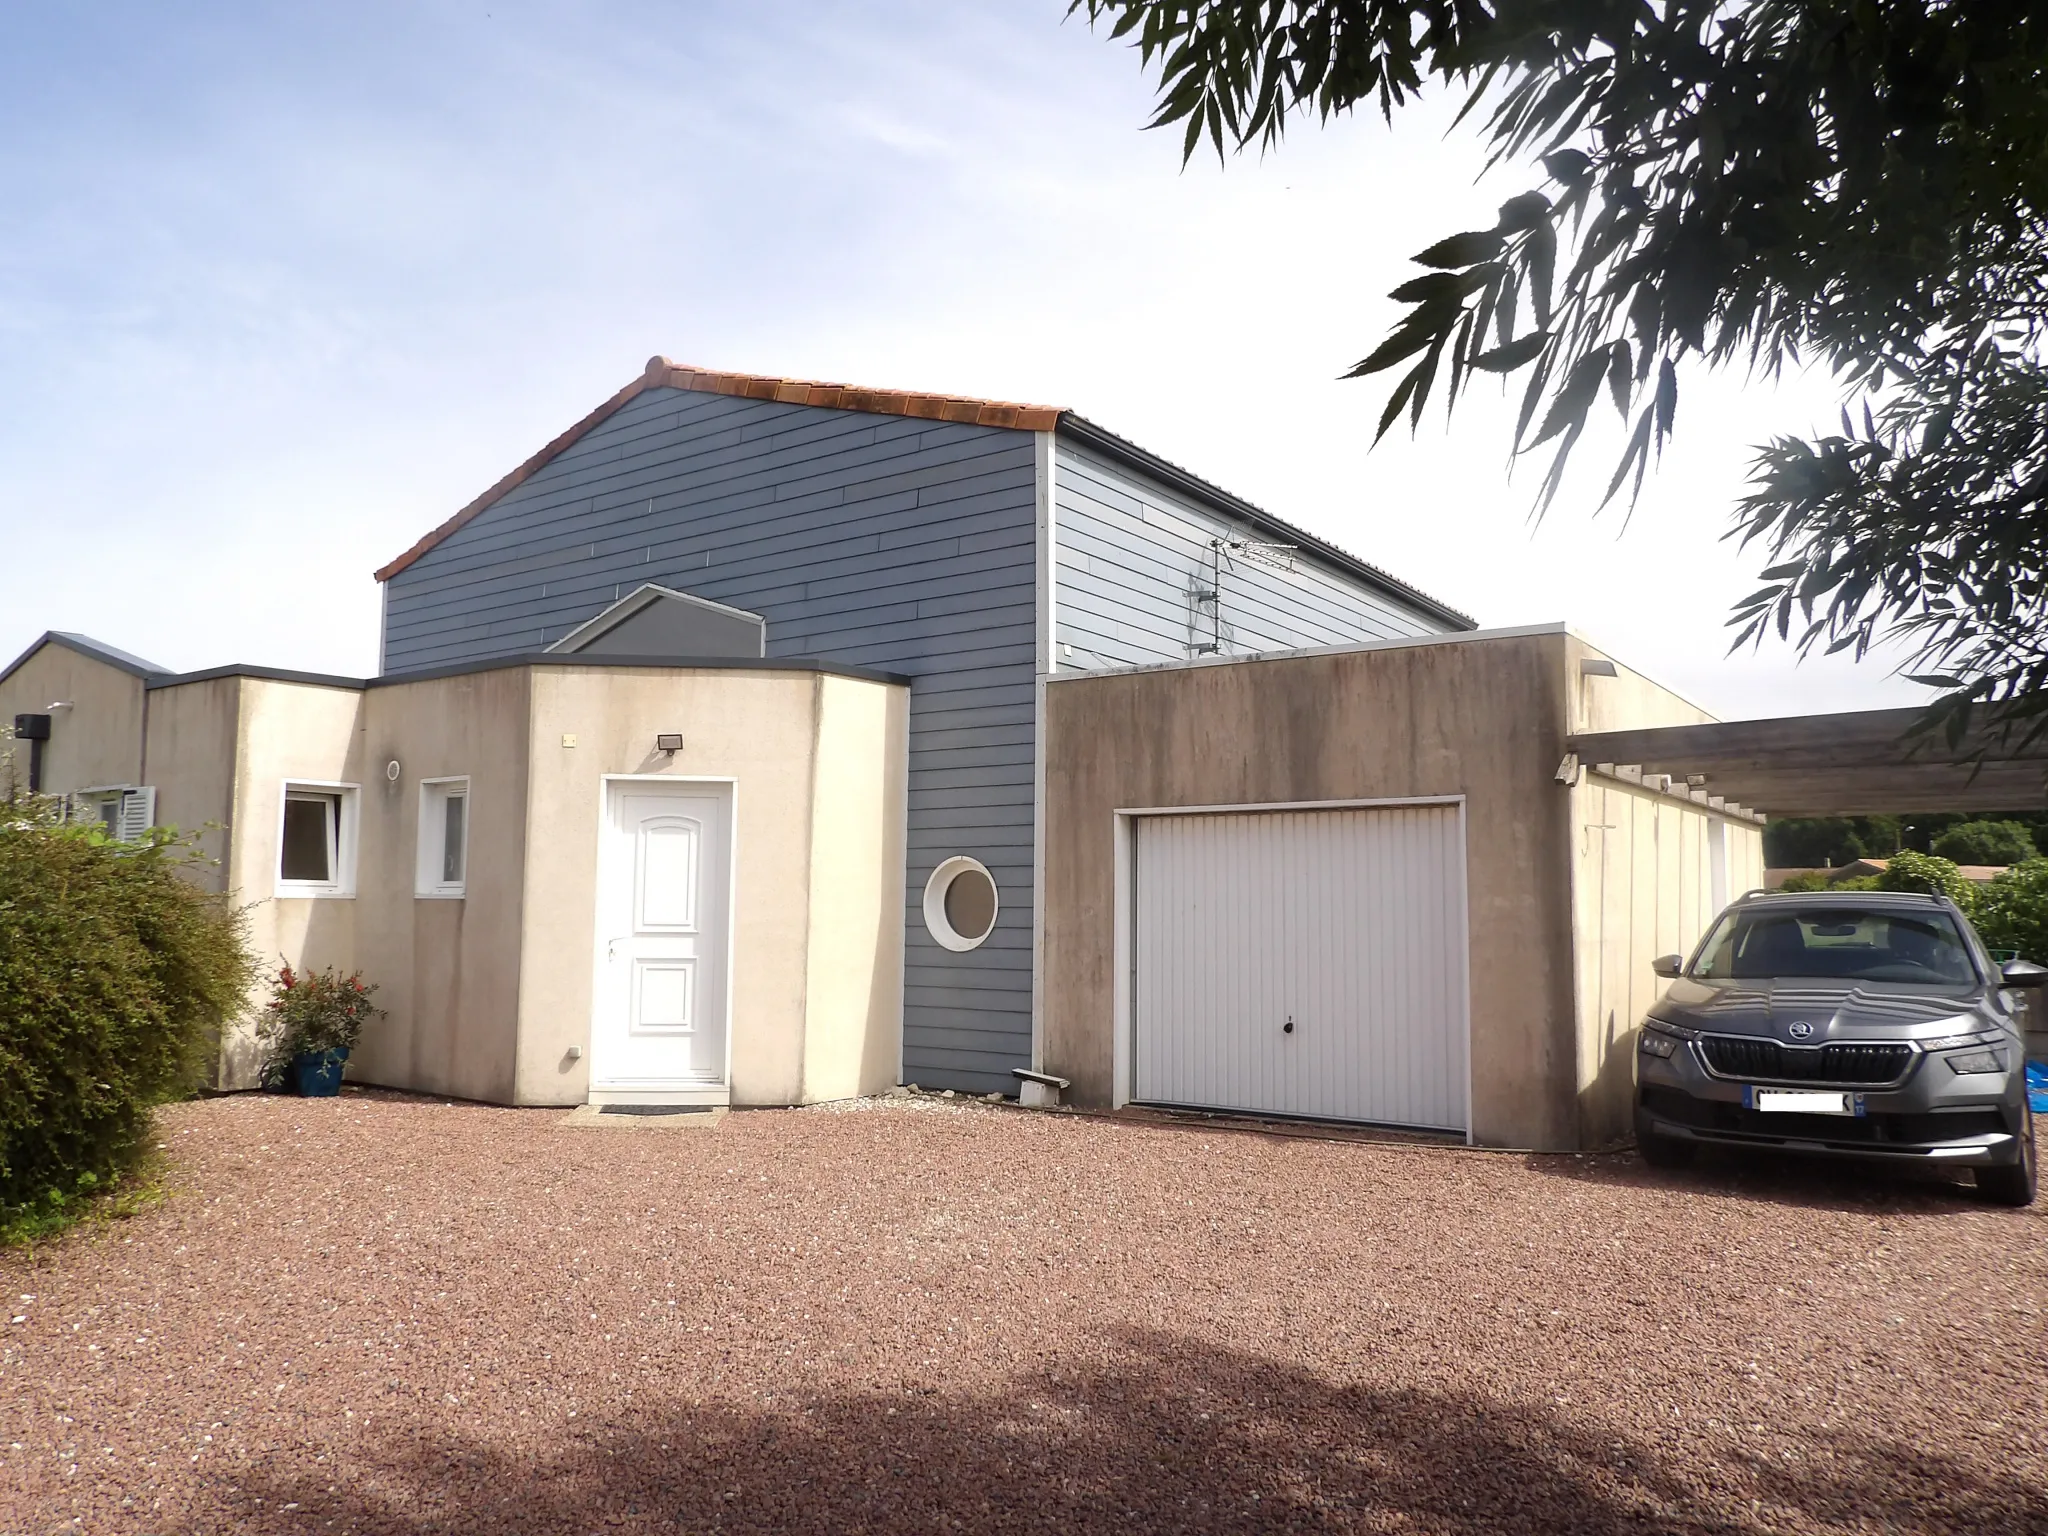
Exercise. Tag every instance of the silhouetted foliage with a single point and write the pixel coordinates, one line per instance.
(1765, 184)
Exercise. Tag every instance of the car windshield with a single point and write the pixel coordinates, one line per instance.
(1843, 943)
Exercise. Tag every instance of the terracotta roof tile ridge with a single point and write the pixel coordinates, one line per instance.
(661, 373)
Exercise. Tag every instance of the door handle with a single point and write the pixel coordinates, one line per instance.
(611, 947)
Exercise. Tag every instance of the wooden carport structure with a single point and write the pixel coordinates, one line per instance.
(1863, 763)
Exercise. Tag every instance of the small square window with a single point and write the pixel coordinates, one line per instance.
(443, 868)
(316, 840)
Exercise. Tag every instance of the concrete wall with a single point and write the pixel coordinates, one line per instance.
(1483, 718)
(97, 741)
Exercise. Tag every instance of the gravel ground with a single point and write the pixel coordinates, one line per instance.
(388, 1314)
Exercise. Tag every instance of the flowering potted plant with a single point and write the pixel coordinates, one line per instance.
(312, 1022)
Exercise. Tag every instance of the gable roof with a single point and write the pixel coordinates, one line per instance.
(97, 650)
(660, 373)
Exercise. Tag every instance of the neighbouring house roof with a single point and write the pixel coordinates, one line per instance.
(98, 650)
(660, 373)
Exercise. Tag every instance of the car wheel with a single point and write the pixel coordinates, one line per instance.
(2015, 1183)
(1661, 1151)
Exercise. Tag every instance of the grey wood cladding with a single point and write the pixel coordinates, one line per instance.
(883, 541)
(1139, 580)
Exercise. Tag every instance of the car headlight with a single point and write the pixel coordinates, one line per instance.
(1652, 1044)
(1967, 1062)
(1950, 1042)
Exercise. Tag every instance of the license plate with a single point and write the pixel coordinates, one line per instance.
(1801, 1101)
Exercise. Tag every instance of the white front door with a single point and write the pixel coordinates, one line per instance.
(663, 900)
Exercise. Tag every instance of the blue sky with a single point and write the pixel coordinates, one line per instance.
(282, 287)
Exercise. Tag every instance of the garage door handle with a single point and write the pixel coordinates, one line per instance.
(1288, 1027)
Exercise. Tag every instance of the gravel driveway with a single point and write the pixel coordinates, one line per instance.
(391, 1314)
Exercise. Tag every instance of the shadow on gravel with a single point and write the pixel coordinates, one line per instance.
(1783, 1178)
(1157, 1434)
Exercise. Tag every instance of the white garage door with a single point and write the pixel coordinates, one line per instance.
(1303, 963)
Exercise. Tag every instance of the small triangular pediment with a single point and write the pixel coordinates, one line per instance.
(660, 621)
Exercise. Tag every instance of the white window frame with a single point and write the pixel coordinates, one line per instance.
(346, 836)
(935, 920)
(432, 838)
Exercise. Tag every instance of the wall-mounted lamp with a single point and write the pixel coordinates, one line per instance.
(669, 741)
(1596, 666)
(56, 705)
(392, 771)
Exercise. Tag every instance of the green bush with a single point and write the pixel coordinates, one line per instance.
(1986, 842)
(115, 972)
(1928, 874)
(2012, 911)
(1807, 880)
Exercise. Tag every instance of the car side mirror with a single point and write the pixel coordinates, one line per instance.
(2022, 973)
(1668, 965)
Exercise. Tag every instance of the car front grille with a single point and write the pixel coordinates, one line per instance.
(1769, 1061)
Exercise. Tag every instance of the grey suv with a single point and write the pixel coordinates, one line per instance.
(1868, 1024)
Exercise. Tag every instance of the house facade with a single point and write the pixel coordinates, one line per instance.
(977, 548)
(761, 742)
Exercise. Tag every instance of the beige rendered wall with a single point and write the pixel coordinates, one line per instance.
(447, 969)
(854, 970)
(190, 759)
(307, 733)
(1481, 718)
(96, 741)
(762, 729)
(1642, 886)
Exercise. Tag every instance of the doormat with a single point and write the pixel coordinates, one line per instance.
(646, 1117)
(657, 1109)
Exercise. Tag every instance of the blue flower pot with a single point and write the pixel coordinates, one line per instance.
(318, 1073)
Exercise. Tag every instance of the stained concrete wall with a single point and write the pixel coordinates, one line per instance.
(96, 741)
(1484, 718)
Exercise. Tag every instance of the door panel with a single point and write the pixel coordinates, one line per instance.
(1303, 963)
(661, 997)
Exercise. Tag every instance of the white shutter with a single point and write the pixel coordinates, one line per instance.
(138, 814)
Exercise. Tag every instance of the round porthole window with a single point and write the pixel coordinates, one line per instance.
(960, 903)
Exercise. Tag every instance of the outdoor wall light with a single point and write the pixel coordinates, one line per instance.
(392, 771)
(668, 741)
(1595, 666)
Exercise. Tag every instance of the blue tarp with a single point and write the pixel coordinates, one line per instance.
(2037, 1086)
